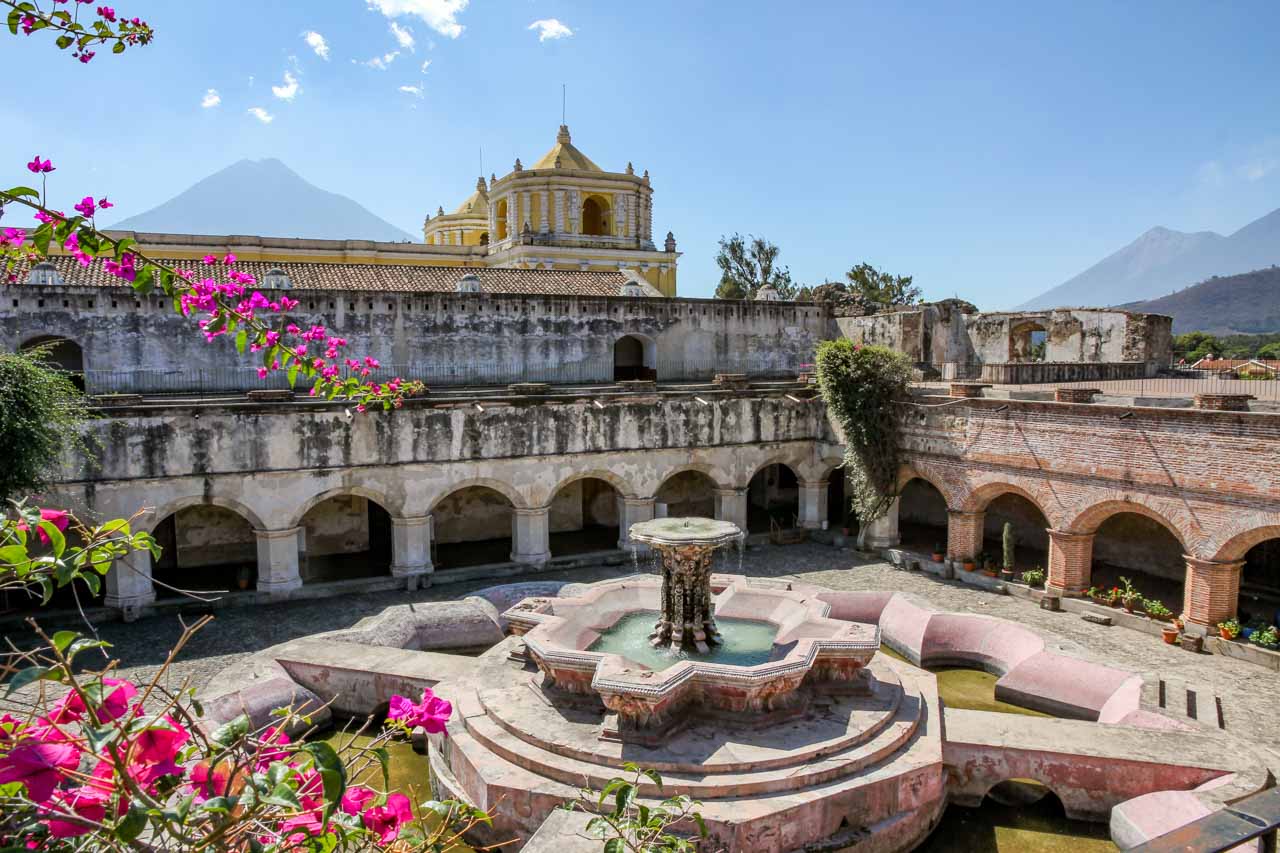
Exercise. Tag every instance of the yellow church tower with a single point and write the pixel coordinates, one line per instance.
(563, 213)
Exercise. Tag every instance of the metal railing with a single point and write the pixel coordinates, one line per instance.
(500, 372)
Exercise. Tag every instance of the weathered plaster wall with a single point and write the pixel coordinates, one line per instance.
(689, 493)
(212, 535)
(472, 515)
(338, 525)
(442, 338)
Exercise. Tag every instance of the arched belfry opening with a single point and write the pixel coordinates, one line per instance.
(634, 357)
(502, 219)
(595, 217)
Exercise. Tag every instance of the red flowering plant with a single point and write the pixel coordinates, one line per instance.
(104, 26)
(220, 298)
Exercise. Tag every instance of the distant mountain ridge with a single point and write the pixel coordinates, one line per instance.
(1163, 260)
(263, 198)
(1248, 303)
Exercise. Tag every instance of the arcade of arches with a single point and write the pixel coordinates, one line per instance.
(1112, 540)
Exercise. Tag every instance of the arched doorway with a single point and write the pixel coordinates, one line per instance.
(840, 513)
(60, 354)
(1028, 341)
(773, 499)
(595, 218)
(1030, 531)
(345, 537)
(502, 219)
(484, 238)
(922, 517)
(204, 548)
(471, 526)
(1144, 550)
(584, 517)
(1259, 599)
(633, 358)
(688, 494)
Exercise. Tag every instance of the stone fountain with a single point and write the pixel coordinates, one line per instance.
(685, 547)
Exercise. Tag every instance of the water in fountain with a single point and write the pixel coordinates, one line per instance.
(746, 642)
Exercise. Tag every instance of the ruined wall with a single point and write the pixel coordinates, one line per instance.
(440, 338)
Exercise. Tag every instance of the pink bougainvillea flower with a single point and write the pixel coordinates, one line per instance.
(431, 713)
(272, 741)
(103, 204)
(39, 766)
(229, 259)
(57, 517)
(385, 821)
(85, 206)
(205, 781)
(40, 166)
(88, 802)
(355, 798)
(115, 703)
(159, 745)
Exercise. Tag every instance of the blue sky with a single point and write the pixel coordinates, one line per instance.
(992, 150)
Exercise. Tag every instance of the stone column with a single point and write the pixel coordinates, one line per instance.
(526, 211)
(513, 214)
(883, 532)
(631, 217)
(633, 511)
(411, 550)
(571, 202)
(559, 211)
(619, 214)
(964, 534)
(129, 587)
(278, 560)
(493, 220)
(731, 505)
(530, 535)
(1070, 563)
(813, 504)
(544, 211)
(1210, 593)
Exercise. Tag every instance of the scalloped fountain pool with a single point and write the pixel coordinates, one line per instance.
(747, 642)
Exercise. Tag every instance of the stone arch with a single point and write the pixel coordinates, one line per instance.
(792, 460)
(393, 507)
(154, 516)
(620, 485)
(977, 499)
(508, 491)
(718, 476)
(635, 356)
(1028, 340)
(1239, 543)
(64, 354)
(773, 494)
(585, 513)
(595, 216)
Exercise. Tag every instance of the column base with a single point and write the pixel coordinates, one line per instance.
(1064, 592)
(282, 587)
(131, 607)
(415, 577)
(875, 543)
(532, 559)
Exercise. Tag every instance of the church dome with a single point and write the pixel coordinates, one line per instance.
(564, 155)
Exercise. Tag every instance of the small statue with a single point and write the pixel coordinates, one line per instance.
(519, 168)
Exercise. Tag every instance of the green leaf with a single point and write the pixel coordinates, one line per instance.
(230, 732)
(283, 795)
(132, 824)
(242, 338)
(93, 582)
(623, 798)
(293, 374)
(13, 555)
(144, 280)
(22, 192)
(118, 48)
(654, 776)
(15, 18)
(384, 759)
(63, 639)
(702, 824)
(614, 845)
(29, 675)
(42, 236)
(115, 525)
(332, 773)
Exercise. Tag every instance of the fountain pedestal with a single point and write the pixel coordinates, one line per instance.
(685, 547)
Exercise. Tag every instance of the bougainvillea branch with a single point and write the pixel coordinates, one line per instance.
(215, 293)
(106, 27)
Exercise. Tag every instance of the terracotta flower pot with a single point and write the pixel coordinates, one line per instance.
(989, 573)
(969, 566)
(1226, 634)
(938, 558)
(1170, 635)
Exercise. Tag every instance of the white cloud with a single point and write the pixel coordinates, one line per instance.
(317, 43)
(211, 99)
(550, 29)
(404, 36)
(289, 89)
(261, 115)
(426, 63)
(1260, 168)
(416, 91)
(380, 62)
(440, 15)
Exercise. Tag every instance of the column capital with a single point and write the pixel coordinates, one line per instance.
(277, 534)
(966, 513)
(813, 484)
(410, 520)
(528, 511)
(1213, 565)
(731, 492)
(1068, 536)
(630, 501)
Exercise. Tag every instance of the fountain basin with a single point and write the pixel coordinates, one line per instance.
(810, 654)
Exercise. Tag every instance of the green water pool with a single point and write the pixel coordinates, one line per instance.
(747, 642)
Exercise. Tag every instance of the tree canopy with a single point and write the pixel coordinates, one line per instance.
(41, 414)
(747, 265)
(882, 288)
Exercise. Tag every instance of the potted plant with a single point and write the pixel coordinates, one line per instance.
(1156, 610)
(1230, 629)
(1008, 540)
(1129, 595)
(1035, 577)
(1267, 638)
(969, 565)
(1169, 633)
(938, 554)
(1105, 597)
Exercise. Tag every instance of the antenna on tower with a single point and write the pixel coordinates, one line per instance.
(481, 147)
(562, 102)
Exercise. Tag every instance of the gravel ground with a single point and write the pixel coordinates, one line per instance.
(1247, 690)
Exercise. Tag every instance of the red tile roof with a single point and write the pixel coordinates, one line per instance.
(406, 278)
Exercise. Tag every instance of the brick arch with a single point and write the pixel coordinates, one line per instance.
(394, 508)
(1238, 545)
(977, 499)
(1169, 516)
(923, 471)
(159, 514)
(518, 501)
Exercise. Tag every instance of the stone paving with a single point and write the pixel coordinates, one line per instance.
(1248, 691)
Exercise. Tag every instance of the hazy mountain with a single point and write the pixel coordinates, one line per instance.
(1162, 261)
(1248, 303)
(264, 198)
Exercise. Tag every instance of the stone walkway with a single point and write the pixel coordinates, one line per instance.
(1248, 691)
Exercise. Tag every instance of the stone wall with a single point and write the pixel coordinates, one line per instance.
(443, 339)
(210, 536)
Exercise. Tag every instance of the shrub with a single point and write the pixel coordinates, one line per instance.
(1034, 577)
